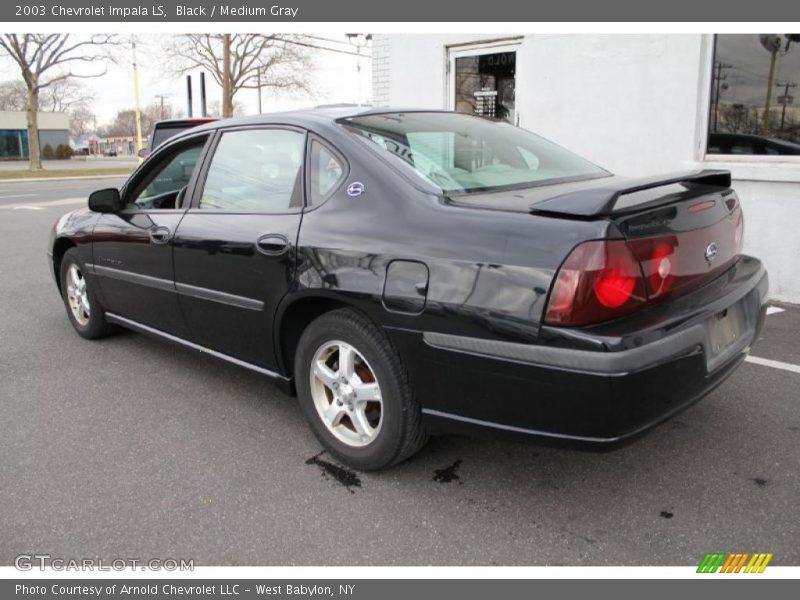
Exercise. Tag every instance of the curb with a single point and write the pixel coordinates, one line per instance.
(23, 179)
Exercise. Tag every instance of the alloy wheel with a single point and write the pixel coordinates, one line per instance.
(346, 393)
(78, 295)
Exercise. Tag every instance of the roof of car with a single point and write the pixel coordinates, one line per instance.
(322, 116)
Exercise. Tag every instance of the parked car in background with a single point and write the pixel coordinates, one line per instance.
(409, 272)
(164, 130)
(744, 143)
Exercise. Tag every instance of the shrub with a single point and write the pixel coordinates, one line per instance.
(64, 151)
(47, 152)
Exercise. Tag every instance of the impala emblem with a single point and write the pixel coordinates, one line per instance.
(355, 189)
(711, 252)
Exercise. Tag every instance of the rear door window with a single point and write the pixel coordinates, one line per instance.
(256, 170)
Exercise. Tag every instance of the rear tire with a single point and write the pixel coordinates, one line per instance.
(355, 392)
(83, 307)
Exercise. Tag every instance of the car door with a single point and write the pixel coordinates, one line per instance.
(132, 249)
(235, 247)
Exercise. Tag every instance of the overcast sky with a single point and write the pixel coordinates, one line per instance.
(333, 79)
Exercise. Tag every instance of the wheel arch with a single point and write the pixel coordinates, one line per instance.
(60, 247)
(293, 318)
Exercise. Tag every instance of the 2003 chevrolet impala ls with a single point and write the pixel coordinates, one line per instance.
(407, 272)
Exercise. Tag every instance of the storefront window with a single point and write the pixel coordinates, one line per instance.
(485, 85)
(13, 144)
(755, 95)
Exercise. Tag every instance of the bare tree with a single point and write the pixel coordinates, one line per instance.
(215, 108)
(65, 95)
(124, 123)
(275, 62)
(45, 60)
(13, 95)
(82, 121)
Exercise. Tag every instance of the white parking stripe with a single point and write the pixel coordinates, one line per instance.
(771, 310)
(16, 195)
(775, 364)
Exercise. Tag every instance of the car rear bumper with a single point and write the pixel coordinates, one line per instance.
(596, 386)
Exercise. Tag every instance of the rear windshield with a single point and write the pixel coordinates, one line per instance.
(462, 154)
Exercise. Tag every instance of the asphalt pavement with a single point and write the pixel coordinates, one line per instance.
(129, 447)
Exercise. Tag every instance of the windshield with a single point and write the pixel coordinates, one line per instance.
(460, 153)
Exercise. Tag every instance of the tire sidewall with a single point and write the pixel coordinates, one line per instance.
(381, 451)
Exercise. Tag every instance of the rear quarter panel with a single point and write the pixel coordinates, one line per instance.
(489, 270)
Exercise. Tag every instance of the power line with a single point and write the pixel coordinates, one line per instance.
(296, 43)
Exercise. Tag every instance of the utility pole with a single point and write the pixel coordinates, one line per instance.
(136, 106)
(161, 98)
(786, 85)
(718, 79)
(227, 100)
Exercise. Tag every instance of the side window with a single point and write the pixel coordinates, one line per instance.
(171, 178)
(327, 172)
(255, 170)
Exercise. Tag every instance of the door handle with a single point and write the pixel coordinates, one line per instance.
(273, 244)
(160, 235)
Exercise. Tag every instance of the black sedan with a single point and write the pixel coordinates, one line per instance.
(412, 272)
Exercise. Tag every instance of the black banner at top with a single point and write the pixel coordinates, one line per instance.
(442, 11)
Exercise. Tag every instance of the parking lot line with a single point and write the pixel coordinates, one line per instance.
(775, 364)
(772, 310)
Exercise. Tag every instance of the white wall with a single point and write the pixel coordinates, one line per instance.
(634, 104)
(47, 120)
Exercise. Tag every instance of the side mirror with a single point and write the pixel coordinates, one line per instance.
(105, 201)
(142, 153)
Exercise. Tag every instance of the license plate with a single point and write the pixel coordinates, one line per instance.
(725, 328)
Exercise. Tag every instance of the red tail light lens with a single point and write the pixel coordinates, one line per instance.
(599, 280)
(603, 280)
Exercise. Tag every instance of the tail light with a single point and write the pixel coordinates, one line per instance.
(606, 279)
(598, 281)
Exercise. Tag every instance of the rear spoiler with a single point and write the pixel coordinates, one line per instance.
(599, 201)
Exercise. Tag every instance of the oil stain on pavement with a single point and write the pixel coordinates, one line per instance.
(340, 475)
(448, 474)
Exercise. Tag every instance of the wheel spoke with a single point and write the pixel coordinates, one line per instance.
(334, 414)
(347, 361)
(324, 374)
(73, 276)
(361, 424)
(367, 392)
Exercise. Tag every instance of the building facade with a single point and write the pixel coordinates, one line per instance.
(634, 104)
(53, 130)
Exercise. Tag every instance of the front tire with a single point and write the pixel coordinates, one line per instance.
(355, 393)
(83, 308)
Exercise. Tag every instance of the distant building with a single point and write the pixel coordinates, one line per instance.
(53, 130)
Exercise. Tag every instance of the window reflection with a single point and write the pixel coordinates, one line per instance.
(755, 95)
(486, 85)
